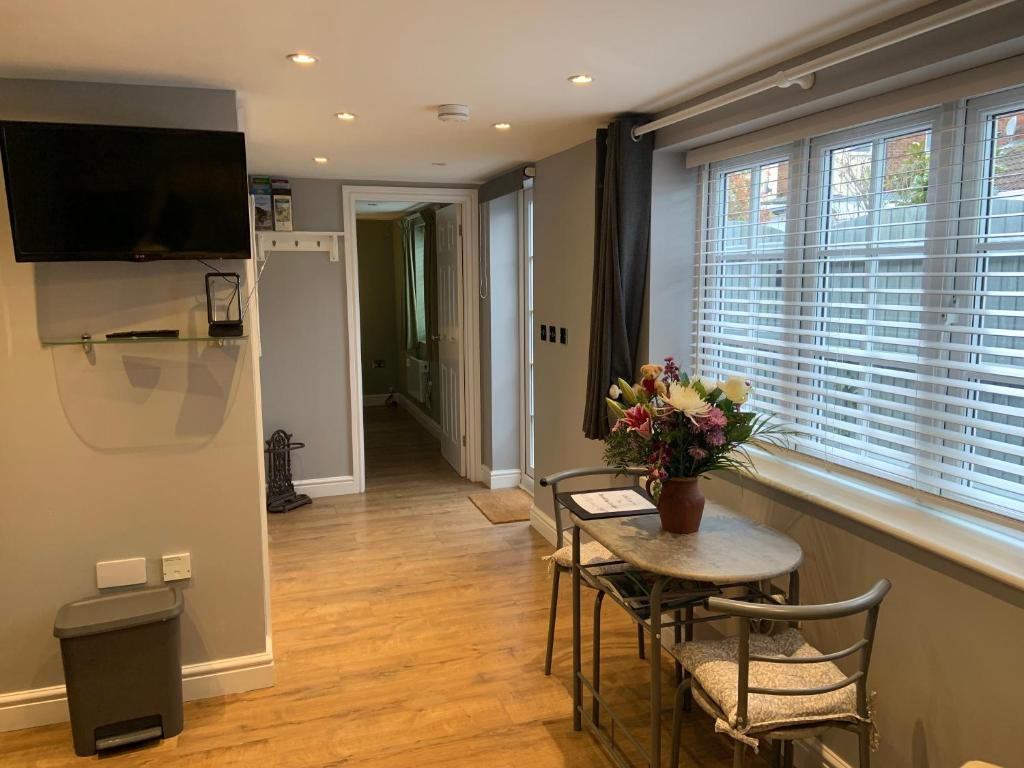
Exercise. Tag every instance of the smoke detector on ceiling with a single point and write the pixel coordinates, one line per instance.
(453, 113)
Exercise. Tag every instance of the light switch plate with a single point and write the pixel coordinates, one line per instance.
(121, 573)
(177, 567)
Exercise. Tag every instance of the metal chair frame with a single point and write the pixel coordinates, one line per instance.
(868, 603)
(553, 481)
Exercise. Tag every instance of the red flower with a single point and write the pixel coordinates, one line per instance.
(636, 419)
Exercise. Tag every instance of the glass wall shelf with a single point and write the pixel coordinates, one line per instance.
(86, 341)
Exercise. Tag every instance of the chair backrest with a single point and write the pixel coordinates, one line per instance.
(868, 604)
(553, 480)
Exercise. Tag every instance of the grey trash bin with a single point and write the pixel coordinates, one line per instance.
(122, 667)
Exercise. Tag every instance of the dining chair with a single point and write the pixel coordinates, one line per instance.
(591, 552)
(779, 687)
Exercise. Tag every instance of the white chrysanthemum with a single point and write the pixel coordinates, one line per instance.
(687, 400)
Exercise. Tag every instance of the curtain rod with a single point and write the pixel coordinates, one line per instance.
(803, 74)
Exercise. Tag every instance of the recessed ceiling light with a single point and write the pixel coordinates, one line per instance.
(346, 116)
(581, 79)
(503, 126)
(320, 160)
(303, 58)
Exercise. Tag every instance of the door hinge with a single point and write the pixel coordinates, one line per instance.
(460, 230)
(463, 441)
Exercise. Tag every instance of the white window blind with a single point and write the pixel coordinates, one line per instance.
(870, 283)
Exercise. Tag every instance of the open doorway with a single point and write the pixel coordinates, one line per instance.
(409, 253)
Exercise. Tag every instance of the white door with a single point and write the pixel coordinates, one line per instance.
(449, 330)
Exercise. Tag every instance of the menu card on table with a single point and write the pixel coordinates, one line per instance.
(616, 502)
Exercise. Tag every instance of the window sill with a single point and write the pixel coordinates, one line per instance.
(987, 546)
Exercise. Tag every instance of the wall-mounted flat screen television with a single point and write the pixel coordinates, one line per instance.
(104, 193)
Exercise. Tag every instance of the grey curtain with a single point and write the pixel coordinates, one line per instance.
(409, 325)
(621, 256)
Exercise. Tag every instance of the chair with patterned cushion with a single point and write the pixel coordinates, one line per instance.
(779, 687)
(591, 553)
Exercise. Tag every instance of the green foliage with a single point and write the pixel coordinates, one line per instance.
(909, 181)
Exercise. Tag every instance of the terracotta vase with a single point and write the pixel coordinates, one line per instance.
(681, 505)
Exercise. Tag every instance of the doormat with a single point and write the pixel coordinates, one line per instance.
(508, 506)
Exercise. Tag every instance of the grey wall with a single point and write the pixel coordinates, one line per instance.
(377, 307)
(304, 329)
(133, 451)
(563, 248)
(304, 366)
(673, 242)
(947, 668)
(501, 335)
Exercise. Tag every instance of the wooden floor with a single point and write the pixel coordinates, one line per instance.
(408, 631)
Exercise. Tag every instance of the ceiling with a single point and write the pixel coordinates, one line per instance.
(392, 63)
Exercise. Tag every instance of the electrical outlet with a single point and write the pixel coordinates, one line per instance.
(121, 573)
(563, 335)
(177, 567)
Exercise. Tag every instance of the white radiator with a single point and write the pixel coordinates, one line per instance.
(417, 378)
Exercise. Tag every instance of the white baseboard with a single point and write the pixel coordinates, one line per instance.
(326, 486)
(544, 524)
(425, 421)
(811, 753)
(526, 483)
(374, 400)
(500, 478)
(44, 706)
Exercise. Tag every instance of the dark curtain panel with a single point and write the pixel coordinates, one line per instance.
(429, 216)
(621, 254)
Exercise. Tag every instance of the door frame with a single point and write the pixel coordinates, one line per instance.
(526, 480)
(469, 342)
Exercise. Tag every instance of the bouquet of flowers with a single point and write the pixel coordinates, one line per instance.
(682, 427)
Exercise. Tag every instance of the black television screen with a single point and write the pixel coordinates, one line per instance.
(101, 193)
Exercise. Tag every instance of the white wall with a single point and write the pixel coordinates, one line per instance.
(138, 450)
(947, 667)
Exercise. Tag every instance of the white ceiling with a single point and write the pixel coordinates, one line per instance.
(392, 63)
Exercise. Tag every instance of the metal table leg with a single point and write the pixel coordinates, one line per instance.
(596, 677)
(678, 638)
(577, 662)
(654, 659)
(688, 693)
(793, 598)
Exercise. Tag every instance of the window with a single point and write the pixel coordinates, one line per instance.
(419, 287)
(870, 283)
